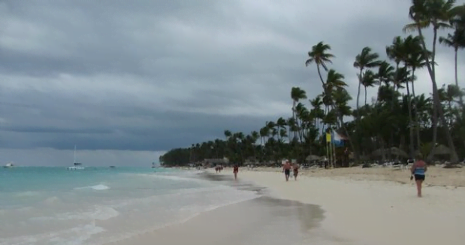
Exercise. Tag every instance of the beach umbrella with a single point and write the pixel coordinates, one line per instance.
(393, 150)
(441, 150)
(379, 152)
(398, 152)
(312, 158)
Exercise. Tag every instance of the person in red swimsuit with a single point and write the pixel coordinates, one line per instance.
(235, 170)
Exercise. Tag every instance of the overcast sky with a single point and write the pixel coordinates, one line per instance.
(127, 80)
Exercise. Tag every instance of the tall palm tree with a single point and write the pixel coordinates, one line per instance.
(455, 41)
(415, 59)
(280, 124)
(264, 132)
(366, 59)
(297, 94)
(395, 51)
(320, 57)
(368, 80)
(316, 111)
(435, 13)
(385, 73)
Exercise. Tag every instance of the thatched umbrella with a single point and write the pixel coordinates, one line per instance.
(393, 150)
(398, 152)
(441, 150)
(351, 155)
(312, 158)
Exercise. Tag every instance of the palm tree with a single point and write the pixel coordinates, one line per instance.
(414, 59)
(368, 80)
(264, 132)
(297, 94)
(334, 80)
(396, 50)
(366, 59)
(435, 13)
(316, 111)
(227, 134)
(385, 73)
(280, 124)
(320, 57)
(455, 41)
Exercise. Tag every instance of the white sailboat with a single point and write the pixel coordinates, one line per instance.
(77, 165)
(9, 165)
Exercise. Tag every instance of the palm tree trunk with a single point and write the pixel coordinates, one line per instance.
(409, 101)
(456, 75)
(358, 93)
(435, 132)
(365, 96)
(321, 78)
(417, 125)
(437, 104)
(383, 156)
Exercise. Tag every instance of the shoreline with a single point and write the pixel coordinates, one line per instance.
(366, 211)
(358, 206)
(261, 220)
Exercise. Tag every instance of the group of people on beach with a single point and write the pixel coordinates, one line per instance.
(218, 168)
(287, 167)
(418, 171)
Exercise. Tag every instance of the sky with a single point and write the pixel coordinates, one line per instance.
(126, 81)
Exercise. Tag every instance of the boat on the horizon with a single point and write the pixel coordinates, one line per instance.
(9, 165)
(77, 165)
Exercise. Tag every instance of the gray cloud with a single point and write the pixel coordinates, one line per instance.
(152, 75)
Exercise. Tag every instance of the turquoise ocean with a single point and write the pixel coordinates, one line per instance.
(52, 205)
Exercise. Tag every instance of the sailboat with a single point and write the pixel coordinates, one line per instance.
(77, 165)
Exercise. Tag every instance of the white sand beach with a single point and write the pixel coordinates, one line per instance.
(355, 206)
(372, 206)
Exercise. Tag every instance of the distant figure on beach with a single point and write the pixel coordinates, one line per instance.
(235, 170)
(217, 168)
(295, 167)
(419, 169)
(287, 169)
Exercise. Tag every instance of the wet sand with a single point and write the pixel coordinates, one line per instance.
(264, 220)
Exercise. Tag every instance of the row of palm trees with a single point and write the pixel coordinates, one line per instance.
(398, 117)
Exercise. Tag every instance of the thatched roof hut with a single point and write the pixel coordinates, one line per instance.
(311, 158)
(393, 150)
(441, 150)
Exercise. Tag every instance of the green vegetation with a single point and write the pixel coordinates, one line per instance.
(397, 118)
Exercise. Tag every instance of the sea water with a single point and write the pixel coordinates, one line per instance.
(51, 205)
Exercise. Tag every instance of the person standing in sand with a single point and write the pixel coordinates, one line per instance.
(235, 171)
(295, 167)
(287, 170)
(418, 170)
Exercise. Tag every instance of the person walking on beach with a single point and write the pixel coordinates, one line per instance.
(295, 167)
(418, 170)
(287, 170)
(235, 171)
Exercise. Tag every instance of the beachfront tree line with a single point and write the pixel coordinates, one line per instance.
(398, 117)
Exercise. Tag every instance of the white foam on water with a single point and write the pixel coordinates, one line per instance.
(52, 200)
(191, 210)
(173, 177)
(99, 187)
(74, 236)
(69, 217)
(97, 213)
(27, 194)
